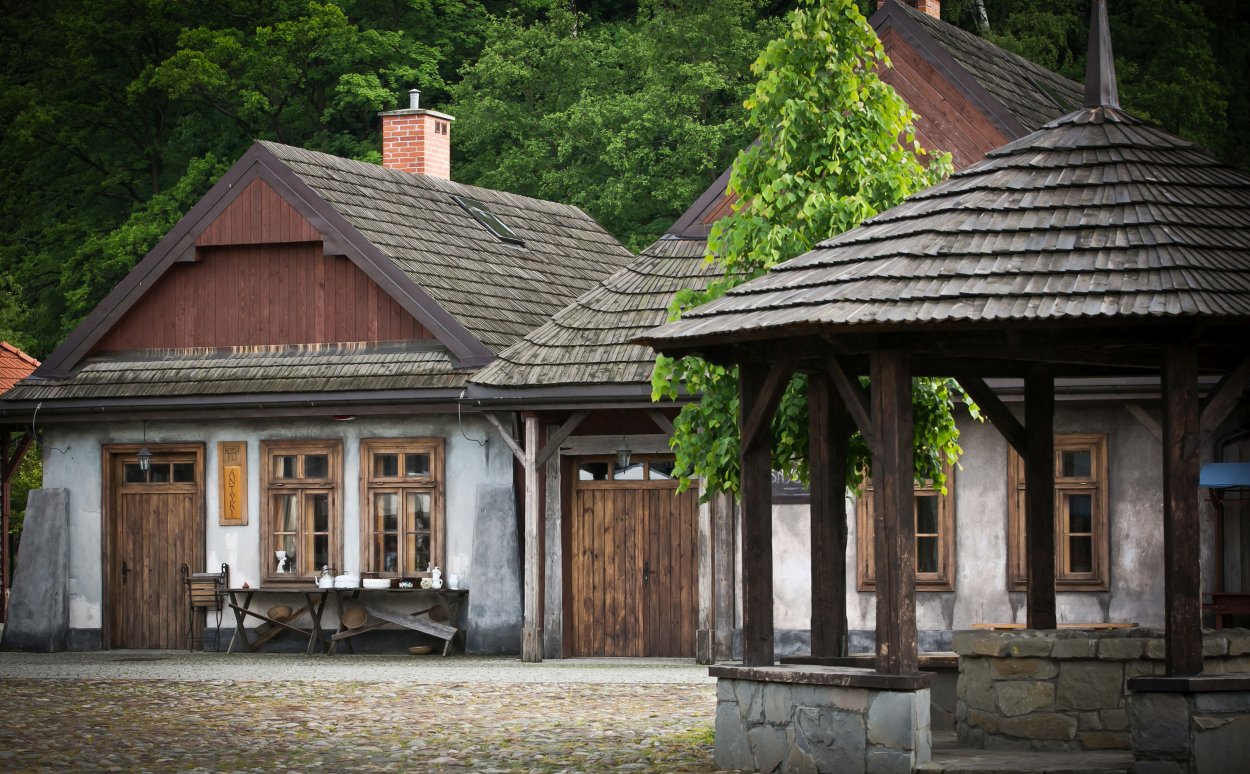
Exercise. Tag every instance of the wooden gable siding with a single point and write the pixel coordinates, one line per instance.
(722, 208)
(249, 295)
(947, 120)
(258, 215)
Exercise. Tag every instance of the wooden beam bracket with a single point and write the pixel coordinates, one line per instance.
(517, 451)
(1000, 416)
(1221, 400)
(856, 401)
(553, 443)
(766, 404)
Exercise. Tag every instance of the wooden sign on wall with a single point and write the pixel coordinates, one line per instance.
(232, 480)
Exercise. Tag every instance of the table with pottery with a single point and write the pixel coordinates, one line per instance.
(430, 606)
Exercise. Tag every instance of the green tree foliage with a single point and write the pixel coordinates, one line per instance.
(630, 121)
(835, 146)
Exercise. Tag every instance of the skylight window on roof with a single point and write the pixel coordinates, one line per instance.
(489, 219)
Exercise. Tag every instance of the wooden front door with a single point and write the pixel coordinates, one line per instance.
(154, 523)
(633, 560)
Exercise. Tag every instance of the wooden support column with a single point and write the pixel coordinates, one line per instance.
(829, 431)
(1039, 501)
(893, 475)
(755, 488)
(531, 626)
(1181, 528)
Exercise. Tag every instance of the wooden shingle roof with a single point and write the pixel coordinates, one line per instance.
(212, 374)
(589, 342)
(497, 290)
(1097, 216)
(1030, 92)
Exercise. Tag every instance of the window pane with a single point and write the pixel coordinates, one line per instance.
(184, 472)
(1076, 464)
(390, 552)
(321, 550)
(286, 513)
(385, 465)
(159, 473)
(316, 466)
(1080, 554)
(633, 472)
(927, 554)
(662, 470)
(417, 553)
(134, 474)
(926, 514)
(284, 466)
(386, 511)
(593, 471)
(1080, 512)
(288, 544)
(419, 511)
(319, 505)
(416, 465)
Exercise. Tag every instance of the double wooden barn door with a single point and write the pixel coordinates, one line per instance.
(154, 523)
(634, 561)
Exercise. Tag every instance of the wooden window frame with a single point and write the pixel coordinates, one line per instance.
(1099, 577)
(865, 534)
(611, 482)
(434, 485)
(271, 487)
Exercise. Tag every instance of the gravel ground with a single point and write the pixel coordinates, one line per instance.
(169, 711)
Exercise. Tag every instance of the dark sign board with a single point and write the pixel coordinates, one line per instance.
(787, 492)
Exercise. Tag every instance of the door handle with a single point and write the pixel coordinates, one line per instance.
(646, 573)
(125, 572)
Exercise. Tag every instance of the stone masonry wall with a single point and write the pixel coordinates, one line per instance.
(1190, 733)
(1065, 689)
(782, 727)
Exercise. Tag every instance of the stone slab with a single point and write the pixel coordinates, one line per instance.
(818, 675)
(39, 599)
(494, 615)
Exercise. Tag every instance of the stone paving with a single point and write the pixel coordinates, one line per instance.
(166, 711)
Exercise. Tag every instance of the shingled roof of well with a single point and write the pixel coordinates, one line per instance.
(272, 370)
(1030, 92)
(15, 365)
(496, 290)
(589, 342)
(1098, 215)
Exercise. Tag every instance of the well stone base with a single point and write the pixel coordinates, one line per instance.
(1196, 725)
(820, 719)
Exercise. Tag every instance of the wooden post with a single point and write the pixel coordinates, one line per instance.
(1039, 503)
(893, 475)
(725, 572)
(757, 522)
(531, 628)
(705, 635)
(553, 585)
(828, 434)
(1181, 528)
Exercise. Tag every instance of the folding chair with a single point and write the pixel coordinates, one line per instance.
(203, 591)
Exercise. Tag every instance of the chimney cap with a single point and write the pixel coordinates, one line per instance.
(414, 99)
(414, 108)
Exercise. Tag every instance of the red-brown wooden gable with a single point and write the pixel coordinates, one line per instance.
(258, 215)
(250, 295)
(947, 120)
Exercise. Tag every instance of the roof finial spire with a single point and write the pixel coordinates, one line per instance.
(1100, 88)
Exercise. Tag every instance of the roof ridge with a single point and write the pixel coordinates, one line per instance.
(19, 353)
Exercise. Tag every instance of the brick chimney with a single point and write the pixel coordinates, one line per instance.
(417, 140)
(931, 7)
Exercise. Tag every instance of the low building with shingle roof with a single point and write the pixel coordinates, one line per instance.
(275, 387)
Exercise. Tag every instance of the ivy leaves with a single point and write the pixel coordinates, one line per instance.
(836, 145)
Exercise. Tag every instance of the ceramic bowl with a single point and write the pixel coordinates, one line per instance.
(354, 617)
(420, 650)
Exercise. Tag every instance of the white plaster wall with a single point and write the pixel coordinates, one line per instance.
(72, 460)
(981, 596)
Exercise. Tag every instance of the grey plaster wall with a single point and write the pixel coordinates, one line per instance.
(981, 595)
(39, 602)
(72, 461)
(495, 602)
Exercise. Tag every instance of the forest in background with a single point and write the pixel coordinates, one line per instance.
(118, 115)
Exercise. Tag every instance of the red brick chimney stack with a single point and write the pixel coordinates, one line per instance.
(417, 140)
(931, 7)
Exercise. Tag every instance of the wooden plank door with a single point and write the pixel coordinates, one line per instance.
(155, 523)
(633, 563)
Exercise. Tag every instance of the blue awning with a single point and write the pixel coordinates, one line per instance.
(1225, 475)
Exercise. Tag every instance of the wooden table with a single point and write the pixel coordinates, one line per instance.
(314, 603)
(419, 620)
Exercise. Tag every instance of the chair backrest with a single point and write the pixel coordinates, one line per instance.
(203, 589)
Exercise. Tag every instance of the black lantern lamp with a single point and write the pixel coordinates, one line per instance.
(145, 454)
(622, 455)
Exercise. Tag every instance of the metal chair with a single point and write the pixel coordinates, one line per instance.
(204, 591)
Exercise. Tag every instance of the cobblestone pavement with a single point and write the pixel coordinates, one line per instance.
(162, 711)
